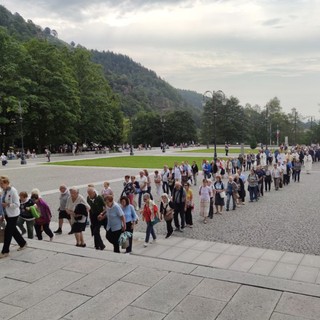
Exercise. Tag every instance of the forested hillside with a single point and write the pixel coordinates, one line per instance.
(140, 89)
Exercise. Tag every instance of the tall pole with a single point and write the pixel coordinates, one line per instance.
(221, 96)
(131, 146)
(23, 159)
(163, 143)
(214, 136)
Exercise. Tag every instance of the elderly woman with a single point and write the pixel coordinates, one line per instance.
(42, 223)
(10, 204)
(219, 191)
(116, 222)
(63, 198)
(72, 202)
(149, 213)
(131, 218)
(166, 212)
(97, 206)
(205, 194)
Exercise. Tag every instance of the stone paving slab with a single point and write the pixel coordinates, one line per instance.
(41, 289)
(109, 302)
(167, 293)
(54, 307)
(191, 308)
(299, 306)
(100, 279)
(251, 304)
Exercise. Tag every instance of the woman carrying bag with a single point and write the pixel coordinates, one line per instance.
(166, 212)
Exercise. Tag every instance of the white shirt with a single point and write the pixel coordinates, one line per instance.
(143, 183)
(205, 193)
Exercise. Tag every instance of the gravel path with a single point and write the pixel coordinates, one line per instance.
(287, 220)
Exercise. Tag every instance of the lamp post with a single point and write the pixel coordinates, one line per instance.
(131, 146)
(295, 114)
(23, 159)
(220, 96)
(163, 121)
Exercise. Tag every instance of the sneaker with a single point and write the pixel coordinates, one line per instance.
(145, 244)
(58, 231)
(22, 248)
(177, 229)
(4, 255)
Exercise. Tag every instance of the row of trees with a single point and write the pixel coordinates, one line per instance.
(254, 124)
(64, 96)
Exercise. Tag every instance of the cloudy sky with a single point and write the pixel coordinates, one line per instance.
(254, 50)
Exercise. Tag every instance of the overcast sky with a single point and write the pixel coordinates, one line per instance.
(254, 50)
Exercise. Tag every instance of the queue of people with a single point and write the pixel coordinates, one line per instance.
(174, 189)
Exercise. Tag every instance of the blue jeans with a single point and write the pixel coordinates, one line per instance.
(229, 196)
(149, 231)
(253, 193)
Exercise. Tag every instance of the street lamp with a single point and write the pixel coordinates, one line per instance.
(131, 146)
(23, 159)
(295, 114)
(163, 121)
(220, 96)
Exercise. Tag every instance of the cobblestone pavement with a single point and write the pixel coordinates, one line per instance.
(287, 220)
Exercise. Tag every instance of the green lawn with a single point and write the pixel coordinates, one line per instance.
(233, 151)
(132, 161)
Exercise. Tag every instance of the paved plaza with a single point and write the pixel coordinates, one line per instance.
(257, 262)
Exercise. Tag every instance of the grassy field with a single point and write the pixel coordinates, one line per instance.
(132, 161)
(232, 151)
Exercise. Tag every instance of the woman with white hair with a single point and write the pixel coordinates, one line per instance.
(72, 202)
(166, 212)
(10, 204)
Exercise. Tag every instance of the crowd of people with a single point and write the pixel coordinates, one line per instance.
(224, 185)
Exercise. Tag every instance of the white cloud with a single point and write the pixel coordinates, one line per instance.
(253, 49)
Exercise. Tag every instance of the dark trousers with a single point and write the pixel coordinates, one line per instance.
(46, 229)
(129, 228)
(10, 232)
(267, 184)
(179, 210)
(165, 187)
(113, 238)
(95, 231)
(210, 210)
(169, 227)
(253, 193)
(30, 224)
(297, 176)
(189, 216)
